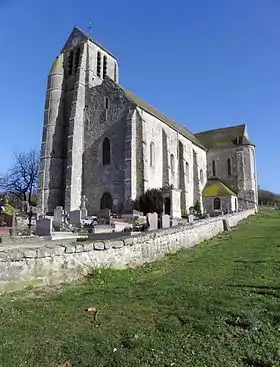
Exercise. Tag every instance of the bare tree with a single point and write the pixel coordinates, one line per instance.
(22, 179)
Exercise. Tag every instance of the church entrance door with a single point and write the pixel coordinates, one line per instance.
(106, 201)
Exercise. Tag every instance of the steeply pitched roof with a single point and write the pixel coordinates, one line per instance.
(77, 32)
(153, 111)
(224, 138)
(215, 188)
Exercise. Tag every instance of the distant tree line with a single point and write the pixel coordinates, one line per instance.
(268, 198)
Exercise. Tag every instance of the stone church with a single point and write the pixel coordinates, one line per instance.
(103, 142)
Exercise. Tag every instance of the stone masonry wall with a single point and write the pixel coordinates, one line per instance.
(54, 264)
(242, 178)
(100, 123)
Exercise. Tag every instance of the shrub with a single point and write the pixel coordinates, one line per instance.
(151, 201)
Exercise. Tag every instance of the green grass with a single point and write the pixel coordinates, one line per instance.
(214, 305)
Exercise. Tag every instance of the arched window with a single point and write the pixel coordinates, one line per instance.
(104, 66)
(213, 168)
(201, 176)
(106, 151)
(152, 154)
(172, 163)
(229, 167)
(98, 64)
(70, 62)
(217, 204)
(187, 173)
(77, 59)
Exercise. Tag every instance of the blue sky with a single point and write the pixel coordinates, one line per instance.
(204, 63)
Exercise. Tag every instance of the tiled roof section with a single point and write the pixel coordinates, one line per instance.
(153, 111)
(224, 138)
(216, 188)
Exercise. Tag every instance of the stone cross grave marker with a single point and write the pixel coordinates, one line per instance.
(153, 221)
(165, 221)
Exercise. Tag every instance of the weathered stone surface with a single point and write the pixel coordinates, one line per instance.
(88, 246)
(117, 244)
(15, 255)
(57, 250)
(79, 248)
(99, 246)
(45, 252)
(128, 241)
(69, 249)
(30, 253)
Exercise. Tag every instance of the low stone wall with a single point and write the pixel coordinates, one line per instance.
(52, 264)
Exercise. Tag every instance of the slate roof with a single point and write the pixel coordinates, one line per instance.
(153, 111)
(216, 188)
(224, 138)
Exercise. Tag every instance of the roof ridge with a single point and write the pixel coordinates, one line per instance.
(146, 106)
(222, 128)
(88, 36)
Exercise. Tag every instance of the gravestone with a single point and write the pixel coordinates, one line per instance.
(153, 221)
(165, 221)
(190, 218)
(44, 227)
(75, 217)
(58, 215)
(105, 214)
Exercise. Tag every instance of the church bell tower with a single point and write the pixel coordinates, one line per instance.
(83, 63)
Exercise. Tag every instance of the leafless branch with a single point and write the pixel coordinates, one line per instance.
(22, 179)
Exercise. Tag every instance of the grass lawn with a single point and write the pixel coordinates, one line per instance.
(214, 305)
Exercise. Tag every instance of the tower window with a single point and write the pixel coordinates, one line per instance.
(229, 167)
(115, 73)
(98, 64)
(172, 163)
(152, 154)
(77, 59)
(106, 152)
(70, 62)
(201, 176)
(213, 168)
(106, 103)
(104, 66)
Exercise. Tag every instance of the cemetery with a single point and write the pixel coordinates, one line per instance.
(65, 246)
